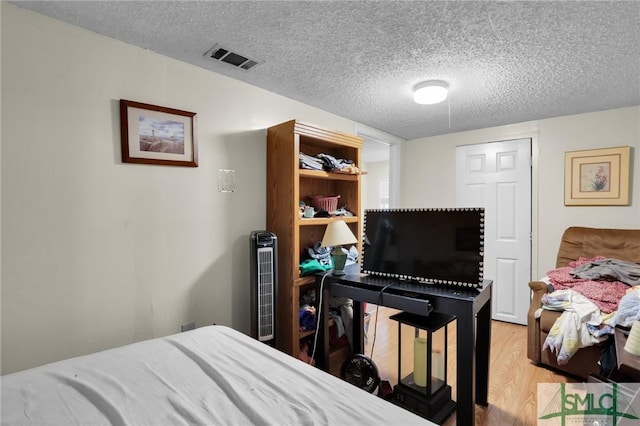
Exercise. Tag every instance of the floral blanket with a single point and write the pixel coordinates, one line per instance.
(570, 332)
(604, 294)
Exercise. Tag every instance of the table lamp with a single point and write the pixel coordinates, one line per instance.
(633, 340)
(336, 235)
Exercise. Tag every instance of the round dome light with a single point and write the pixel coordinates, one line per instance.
(430, 92)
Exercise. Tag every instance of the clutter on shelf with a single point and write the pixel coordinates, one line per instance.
(328, 163)
(319, 259)
(322, 206)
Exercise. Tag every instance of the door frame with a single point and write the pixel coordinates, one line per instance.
(394, 143)
(535, 154)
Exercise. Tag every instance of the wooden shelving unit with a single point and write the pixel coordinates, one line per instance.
(287, 185)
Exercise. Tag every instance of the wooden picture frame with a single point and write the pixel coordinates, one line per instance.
(152, 134)
(597, 177)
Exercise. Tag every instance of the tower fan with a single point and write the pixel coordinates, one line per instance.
(264, 281)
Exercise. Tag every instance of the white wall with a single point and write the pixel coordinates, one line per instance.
(377, 171)
(428, 172)
(97, 253)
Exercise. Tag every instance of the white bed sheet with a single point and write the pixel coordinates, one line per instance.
(209, 376)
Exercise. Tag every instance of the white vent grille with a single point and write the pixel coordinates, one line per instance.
(265, 294)
(238, 60)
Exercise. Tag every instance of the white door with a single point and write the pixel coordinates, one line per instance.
(497, 176)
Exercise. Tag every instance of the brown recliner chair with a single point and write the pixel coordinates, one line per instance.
(623, 244)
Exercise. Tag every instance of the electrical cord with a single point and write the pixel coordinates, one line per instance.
(375, 324)
(318, 317)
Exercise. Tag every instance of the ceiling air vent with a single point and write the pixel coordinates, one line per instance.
(238, 60)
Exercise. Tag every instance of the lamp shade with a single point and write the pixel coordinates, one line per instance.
(337, 234)
(633, 340)
(430, 92)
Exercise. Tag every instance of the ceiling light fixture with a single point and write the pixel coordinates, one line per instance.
(430, 92)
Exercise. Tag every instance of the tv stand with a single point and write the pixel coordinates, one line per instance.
(471, 307)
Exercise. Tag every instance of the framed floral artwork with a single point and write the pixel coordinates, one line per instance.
(152, 134)
(597, 177)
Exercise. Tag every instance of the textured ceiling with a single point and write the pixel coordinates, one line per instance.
(506, 62)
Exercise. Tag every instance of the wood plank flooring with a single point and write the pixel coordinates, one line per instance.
(513, 378)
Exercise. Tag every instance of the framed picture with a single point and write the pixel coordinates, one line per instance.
(152, 134)
(597, 177)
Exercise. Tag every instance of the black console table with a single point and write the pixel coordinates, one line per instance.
(471, 307)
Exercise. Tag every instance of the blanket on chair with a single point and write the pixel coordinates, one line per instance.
(570, 332)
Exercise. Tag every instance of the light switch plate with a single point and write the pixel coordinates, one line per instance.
(226, 180)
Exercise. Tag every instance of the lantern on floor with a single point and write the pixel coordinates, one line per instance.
(425, 390)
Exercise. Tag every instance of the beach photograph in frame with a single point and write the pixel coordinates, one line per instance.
(152, 134)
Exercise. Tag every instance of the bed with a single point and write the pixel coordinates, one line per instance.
(211, 375)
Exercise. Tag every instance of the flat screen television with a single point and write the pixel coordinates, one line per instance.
(437, 246)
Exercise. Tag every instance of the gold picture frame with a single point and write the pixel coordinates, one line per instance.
(597, 177)
(152, 134)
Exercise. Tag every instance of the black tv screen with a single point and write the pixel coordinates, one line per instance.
(438, 246)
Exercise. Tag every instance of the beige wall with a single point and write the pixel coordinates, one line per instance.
(97, 253)
(377, 171)
(428, 172)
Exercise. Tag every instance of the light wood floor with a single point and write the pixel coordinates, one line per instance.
(513, 378)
